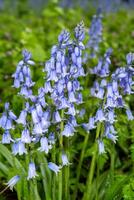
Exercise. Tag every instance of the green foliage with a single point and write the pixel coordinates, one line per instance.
(128, 190)
(38, 33)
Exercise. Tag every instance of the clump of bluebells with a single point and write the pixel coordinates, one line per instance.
(110, 88)
(49, 118)
(56, 103)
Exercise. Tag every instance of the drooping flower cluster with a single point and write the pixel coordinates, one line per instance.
(6, 123)
(109, 91)
(95, 36)
(63, 70)
(22, 76)
(38, 114)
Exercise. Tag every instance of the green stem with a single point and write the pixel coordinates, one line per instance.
(54, 177)
(45, 177)
(80, 165)
(112, 160)
(60, 154)
(97, 178)
(36, 194)
(66, 172)
(92, 168)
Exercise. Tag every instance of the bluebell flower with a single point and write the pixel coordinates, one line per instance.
(64, 37)
(31, 171)
(119, 102)
(95, 34)
(26, 55)
(100, 115)
(55, 168)
(12, 182)
(90, 125)
(110, 116)
(101, 147)
(56, 117)
(45, 124)
(7, 118)
(71, 97)
(64, 103)
(76, 85)
(110, 92)
(12, 115)
(65, 161)
(51, 138)
(25, 91)
(25, 137)
(48, 87)
(72, 120)
(82, 112)
(6, 137)
(110, 103)
(97, 90)
(79, 99)
(44, 145)
(130, 58)
(80, 32)
(22, 76)
(18, 148)
(129, 114)
(68, 130)
(112, 137)
(38, 129)
(109, 128)
(71, 110)
(102, 69)
(22, 117)
(58, 68)
(39, 110)
(35, 116)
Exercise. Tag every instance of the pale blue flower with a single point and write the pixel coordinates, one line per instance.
(101, 147)
(6, 137)
(65, 161)
(31, 171)
(56, 117)
(99, 115)
(55, 168)
(129, 114)
(12, 182)
(22, 117)
(18, 148)
(44, 145)
(25, 137)
(68, 130)
(112, 137)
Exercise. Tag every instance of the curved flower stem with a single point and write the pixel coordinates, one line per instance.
(92, 168)
(53, 183)
(80, 165)
(60, 154)
(112, 160)
(66, 172)
(45, 176)
(4, 190)
(35, 188)
(97, 178)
